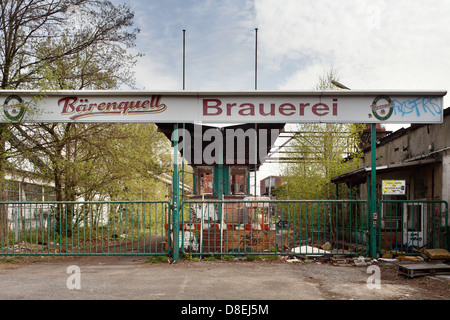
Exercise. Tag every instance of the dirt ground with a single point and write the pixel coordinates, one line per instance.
(435, 286)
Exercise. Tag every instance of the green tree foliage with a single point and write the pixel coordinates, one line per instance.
(39, 33)
(77, 44)
(321, 151)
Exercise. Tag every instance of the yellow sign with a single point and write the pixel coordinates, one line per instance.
(393, 187)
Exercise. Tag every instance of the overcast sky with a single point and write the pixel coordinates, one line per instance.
(373, 45)
(383, 44)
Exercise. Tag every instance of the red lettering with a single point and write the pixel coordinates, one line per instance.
(131, 106)
(320, 109)
(249, 111)
(110, 105)
(335, 107)
(155, 102)
(123, 106)
(229, 106)
(285, 108)
(272, 110)
(82, 107)
(211, 104)
(146, 104)
(302, 108)
(68, 103)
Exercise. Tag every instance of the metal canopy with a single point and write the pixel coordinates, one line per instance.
(360, 175)
(241, 136)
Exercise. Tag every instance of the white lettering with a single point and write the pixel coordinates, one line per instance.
(198, 310)
(374, 281)
(74, 280)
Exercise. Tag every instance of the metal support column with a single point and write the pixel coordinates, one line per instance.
(373, 193)
(175, 197)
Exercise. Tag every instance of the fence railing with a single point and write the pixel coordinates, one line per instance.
(274, 227)
(296, 227)
(410, 226)
(83, 228)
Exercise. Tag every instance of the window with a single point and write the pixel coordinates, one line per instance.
(204, 180)
(12, 191)
(238, 180)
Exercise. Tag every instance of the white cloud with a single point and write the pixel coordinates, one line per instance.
(151, 75)
(399, 44)
(383, 44)
(219, 44)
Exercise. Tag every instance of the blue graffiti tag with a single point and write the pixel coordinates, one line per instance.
(420, 105)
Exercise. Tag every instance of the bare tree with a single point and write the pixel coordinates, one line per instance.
(59, 44)
(63, 28)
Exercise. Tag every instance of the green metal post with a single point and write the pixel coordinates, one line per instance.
(220, 189)
(175, 197)
(256, 153)
(249, 185)
(373, 193)
(183, 167)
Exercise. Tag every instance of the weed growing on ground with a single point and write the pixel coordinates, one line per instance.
(210, 258)
(261, 257)
(227, 258)
(157, 259)
(7, 260)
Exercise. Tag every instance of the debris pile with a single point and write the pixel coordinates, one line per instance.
(346, 261)
(431, 261)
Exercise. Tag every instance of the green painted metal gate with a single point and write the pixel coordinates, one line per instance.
(84, 228)
(322, 227)
(274, 227)
(411, 226)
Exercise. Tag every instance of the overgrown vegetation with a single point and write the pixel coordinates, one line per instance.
(321, 152)
(158, 259)
(76, 45)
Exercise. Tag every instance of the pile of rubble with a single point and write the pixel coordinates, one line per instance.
(428, 262)
(426, 255)
(331, 259)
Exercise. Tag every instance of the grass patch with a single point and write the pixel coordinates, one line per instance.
(210, 258)
(261, 257)
(227, 258)
(7, 260)
(157, 259)
(253, 257)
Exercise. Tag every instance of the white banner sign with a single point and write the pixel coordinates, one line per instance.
(222, 107)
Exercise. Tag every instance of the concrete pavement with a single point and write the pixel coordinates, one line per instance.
(131, 278)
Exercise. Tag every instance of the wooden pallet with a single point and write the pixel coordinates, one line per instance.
(412, 270)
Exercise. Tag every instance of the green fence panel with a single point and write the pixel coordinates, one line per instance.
(411, 226)
(297, 227)
(84, 228)
(274, 227)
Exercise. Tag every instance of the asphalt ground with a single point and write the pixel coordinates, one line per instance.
(187, 288)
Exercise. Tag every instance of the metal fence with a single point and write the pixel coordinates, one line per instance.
(335, 227)
(409, 227)
(274, 227)
(83, 228)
